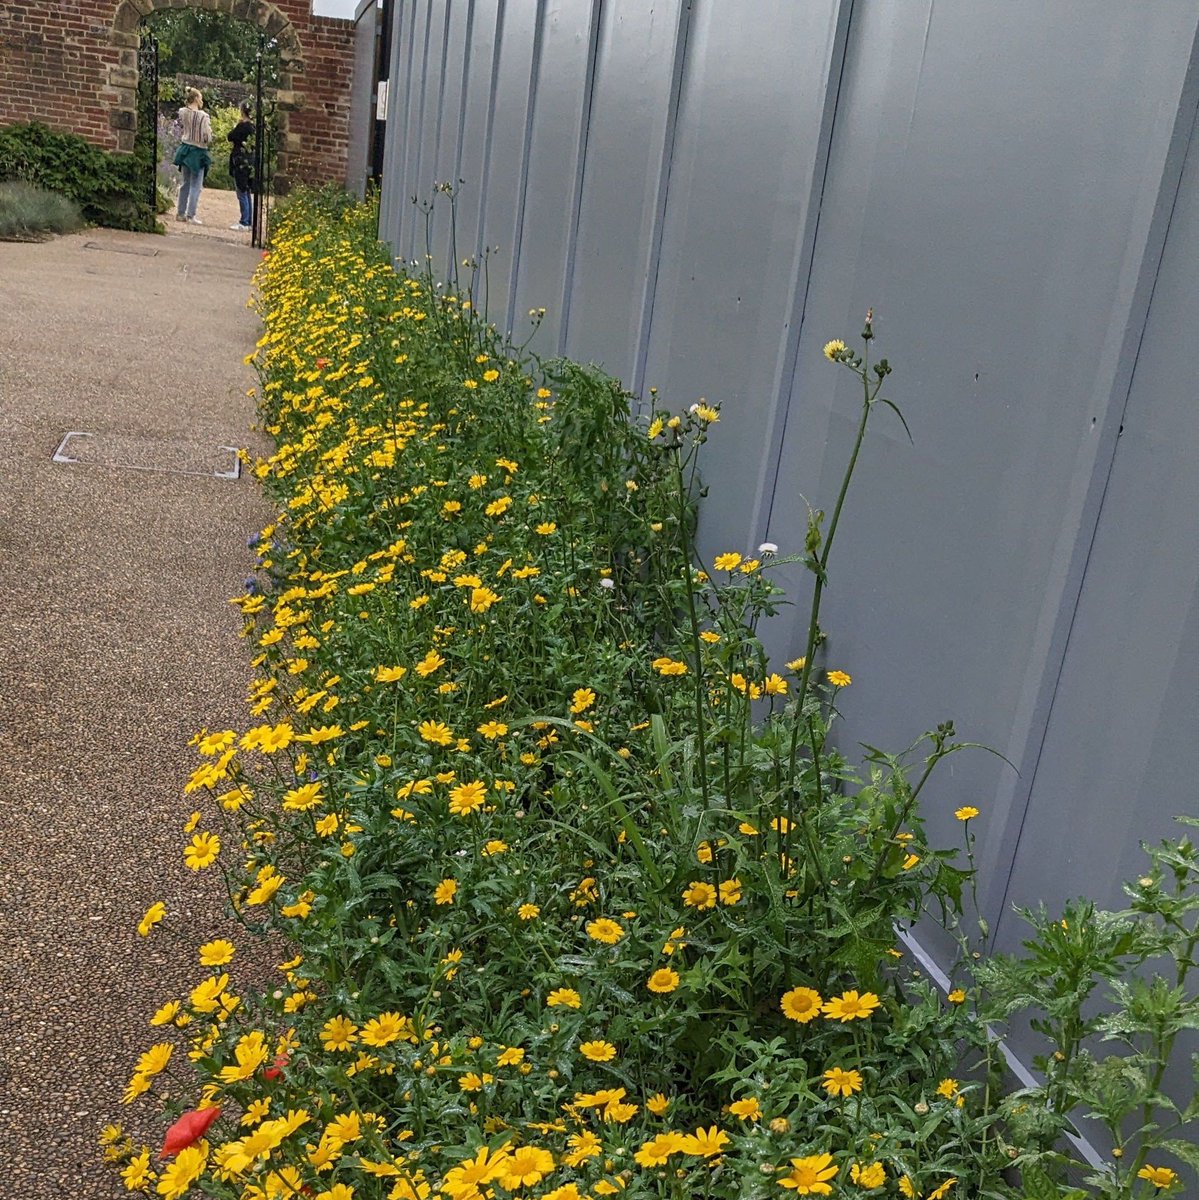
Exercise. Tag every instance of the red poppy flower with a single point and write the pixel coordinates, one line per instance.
(276, 1068)
(190, 1127)
(322, 362)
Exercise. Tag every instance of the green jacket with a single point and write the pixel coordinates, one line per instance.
(194, 158)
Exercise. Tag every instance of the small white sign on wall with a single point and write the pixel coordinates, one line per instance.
(381, 101)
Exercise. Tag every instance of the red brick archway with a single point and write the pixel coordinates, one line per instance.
(73, 66)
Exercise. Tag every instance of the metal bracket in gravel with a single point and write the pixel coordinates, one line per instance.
(130, 452)
(143, 251)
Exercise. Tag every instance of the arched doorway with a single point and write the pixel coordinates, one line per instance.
(269, 19)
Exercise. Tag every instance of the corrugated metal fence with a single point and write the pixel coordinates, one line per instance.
(702, 193)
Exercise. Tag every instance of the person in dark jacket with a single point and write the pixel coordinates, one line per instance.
(241, 166)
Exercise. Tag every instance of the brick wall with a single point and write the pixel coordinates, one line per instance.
(73, 66)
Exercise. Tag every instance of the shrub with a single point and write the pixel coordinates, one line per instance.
(109, 188)
(27, 211)
(583, 899)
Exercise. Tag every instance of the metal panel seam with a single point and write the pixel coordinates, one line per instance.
(445, 56)
(641, 353)
(1091, 510)
(576, 206)
(488, 131)
(526, 150)
(780, 414)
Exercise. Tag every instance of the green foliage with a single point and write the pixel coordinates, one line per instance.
(223, 120)
(575, 878)
(197, 42)
(109, 188)
(27, 211)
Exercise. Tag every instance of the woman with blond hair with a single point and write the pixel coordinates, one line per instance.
(192, 157)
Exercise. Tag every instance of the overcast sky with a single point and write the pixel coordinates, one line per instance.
(334, 8)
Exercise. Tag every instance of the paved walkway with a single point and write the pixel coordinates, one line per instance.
(116, 644)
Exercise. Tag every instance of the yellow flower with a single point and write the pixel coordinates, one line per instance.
(1160, 1177)
(482, 598)
(564, 997)
(727, 562)
(599, 1052)
(966, 812)
(546, 528)
(775, 685)
(499, 506)
(436, 732)
(429, 664)
(730, 891)
(491, 376)
(658, 1150)
(216, 954)
(136, 1174)
(657, 1104)
(528, 912)
(605, 930)
(663, 980)
(493, 729)
(808, 1176)
(582, 700)
(153, 915)
(467, 797)
(706, 1142)
(700, 895)
(668, 666)
(445, 891)
(390, 674)
(178, 1176)
(797, 664)
(748, 1109)
(154, 1061)
(841, 1083)
(947, 1088)
(525, 1167)
(338, 1033)
(868, 1175)
(384, 1029)
(850, 1006)
(801, 1004)
(939, 1193)
(839, 679)
(957, 996)
(201, 851)
(304, 797)
(834, 349)
(167, 1013)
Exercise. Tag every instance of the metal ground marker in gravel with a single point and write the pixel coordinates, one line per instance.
(133, 453)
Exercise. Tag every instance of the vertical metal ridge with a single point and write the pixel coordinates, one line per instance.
(401, 157)
(461, 134)
(522, 191)
(1000, 854)
(576, 207)
(778, 417)
(488, 132)
(445, 55)
(678, 65)
(420, 120)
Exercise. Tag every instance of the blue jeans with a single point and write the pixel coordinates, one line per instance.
(244, 199)
(189, 192)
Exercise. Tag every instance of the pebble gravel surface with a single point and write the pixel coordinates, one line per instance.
(116, 644)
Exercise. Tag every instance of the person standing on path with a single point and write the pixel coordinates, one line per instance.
(241, 166)
(192, 157)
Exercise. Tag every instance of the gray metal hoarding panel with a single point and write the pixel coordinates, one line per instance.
(449, 135)
(627, 131)
(1113, 770)
(739, 187)
(992, 183)
(424, 171)
(570, 31)
(391, 198)
(362, 109)
(477, 115)
(506, 159)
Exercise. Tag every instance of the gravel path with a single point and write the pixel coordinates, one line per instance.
(116, 644)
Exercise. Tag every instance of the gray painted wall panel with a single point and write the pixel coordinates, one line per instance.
(708, 198)
(740, 183)
(629, 116)
(1001, 265)
(548, 212)
(362, 108)
(514, 104)
(457, 56)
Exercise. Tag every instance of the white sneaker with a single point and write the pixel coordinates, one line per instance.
(194, 221)
(180, 218)
(240, 228)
